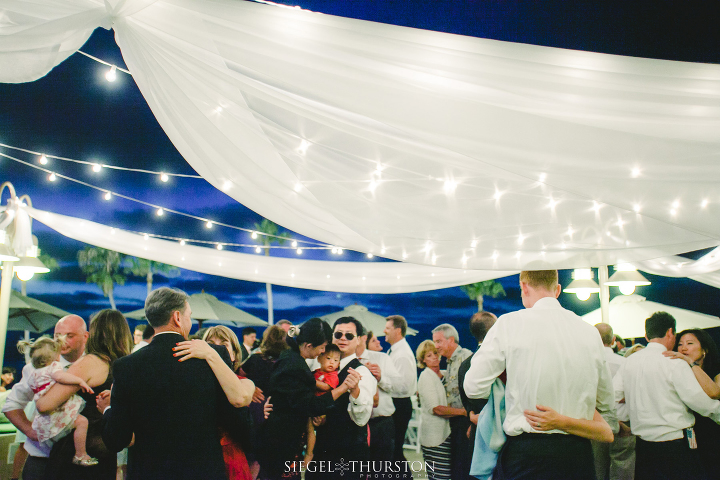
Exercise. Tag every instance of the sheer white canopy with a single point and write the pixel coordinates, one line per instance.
(331, 276)
(420, 146)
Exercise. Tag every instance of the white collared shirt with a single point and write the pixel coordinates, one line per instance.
(140, 345)
(19, 397)
(360, 408)
(388, 376)
(404, 360)
(614, 361)
(552, 357)
(659, 392)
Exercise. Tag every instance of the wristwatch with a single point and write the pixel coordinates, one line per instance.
(694, 364)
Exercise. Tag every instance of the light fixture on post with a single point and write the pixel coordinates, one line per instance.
(626, 277)
(30, 264)
(583, 284)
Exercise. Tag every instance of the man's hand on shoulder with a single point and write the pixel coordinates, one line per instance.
(103, 400)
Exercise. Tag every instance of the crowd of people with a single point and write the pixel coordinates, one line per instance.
(544, 396)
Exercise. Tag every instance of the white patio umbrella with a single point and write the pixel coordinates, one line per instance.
(207, 308)
(628, 315)
(32, 315)
(371, 321)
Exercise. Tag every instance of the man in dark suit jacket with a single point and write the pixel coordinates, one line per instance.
(174, 408)
(480, 323)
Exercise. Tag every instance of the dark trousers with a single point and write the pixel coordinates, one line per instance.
(401, 417)
(34, 468)
(382, 438)
(667, 461)
(461, 453)
(539, 456)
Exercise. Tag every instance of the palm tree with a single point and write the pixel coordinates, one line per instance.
(141, 267)
(489, 288)
(102, 268)
(272, 235)
(48, 261)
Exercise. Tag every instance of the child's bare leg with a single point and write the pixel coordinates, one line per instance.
(309, 451)
(80, 436)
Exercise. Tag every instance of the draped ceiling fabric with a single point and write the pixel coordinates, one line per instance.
(331, 276)
(420, 146)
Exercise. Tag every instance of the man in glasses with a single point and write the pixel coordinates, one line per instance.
(343, 438)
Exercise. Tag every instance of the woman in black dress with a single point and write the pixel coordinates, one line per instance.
(699, 350)
(291, 391)
(109, 339)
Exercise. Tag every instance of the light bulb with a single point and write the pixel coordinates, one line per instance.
(370, 255)
(52, 177)
(208, 224)
(298, 186)
(334, 250)
(258, 249)
(219, 246)
(339, 251)
(299, 251)
(254, 235)
(627, 289)
(164, 177)
(96, 167)
(182, 243)
(43, 160)
(111, 74)
(146, 236)
(24, 275)
(583, 294)
(160, 212)
(227, 185)
(294, 244)
(107, 196)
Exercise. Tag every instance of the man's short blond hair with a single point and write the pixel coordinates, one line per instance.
(545, 279)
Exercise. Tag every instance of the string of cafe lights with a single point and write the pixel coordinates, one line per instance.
(297, 245)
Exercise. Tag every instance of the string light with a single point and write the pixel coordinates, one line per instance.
(254, 235)
(96, 167)
(107, 196)
(208, 224)
(704, 203)
(146, 236)
(473, 244)
(542, 177)
(299, 251)
(635, 172)
(219, 246)
(258, 249)
(160, 212)
(294, 244)
(227, 185)
(111, 75)
(52, 177)
(370, 255)
(382, 251)
(498, 194)
(637, 208)
(302, 149)
(182, 243)
(298, 186)
(164, 177)
(449, 186)
(43, 160)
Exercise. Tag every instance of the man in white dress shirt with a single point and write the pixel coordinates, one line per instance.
(343, 437)
(382, 427)
(614, 460)
(76, 335)
(554, 359)
(402, 356)
(659, 393)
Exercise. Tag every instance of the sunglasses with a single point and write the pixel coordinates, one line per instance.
(348, 335)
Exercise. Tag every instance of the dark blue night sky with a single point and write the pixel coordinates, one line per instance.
(74, 112)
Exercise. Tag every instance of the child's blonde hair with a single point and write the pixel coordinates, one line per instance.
(43, 351)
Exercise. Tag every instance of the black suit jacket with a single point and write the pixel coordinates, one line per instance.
(471, 404)
(174, 408)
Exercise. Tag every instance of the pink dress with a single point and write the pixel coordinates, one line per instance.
(53, 426)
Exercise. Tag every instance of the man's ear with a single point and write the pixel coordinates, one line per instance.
(524, 288)
(557, 290)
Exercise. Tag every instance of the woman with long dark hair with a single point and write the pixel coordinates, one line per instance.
(291, 391)
(109, 339)
(700, 351)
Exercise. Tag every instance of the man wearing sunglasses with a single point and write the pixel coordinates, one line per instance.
(343, 438)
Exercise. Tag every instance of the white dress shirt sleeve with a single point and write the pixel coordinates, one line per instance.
(360, 408)
(605, 397)
(623, 413)
(691, 393)
(487, 364)
(389, 374)
(407, 374)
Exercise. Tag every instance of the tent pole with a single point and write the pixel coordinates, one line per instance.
(27, 350)
(604, 294)
(5, 287)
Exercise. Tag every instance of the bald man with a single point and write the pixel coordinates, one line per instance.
(76, 335)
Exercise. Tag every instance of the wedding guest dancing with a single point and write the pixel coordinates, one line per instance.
(553, 359)
(342, 439)
(173, 407)
(292, 393)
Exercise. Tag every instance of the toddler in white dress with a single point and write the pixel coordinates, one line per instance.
(51, 427)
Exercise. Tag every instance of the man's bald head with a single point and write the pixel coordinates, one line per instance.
(73, 328)
(606, 333)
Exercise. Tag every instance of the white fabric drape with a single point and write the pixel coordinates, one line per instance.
(706, 269)
(419, 146)
(351, 277)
